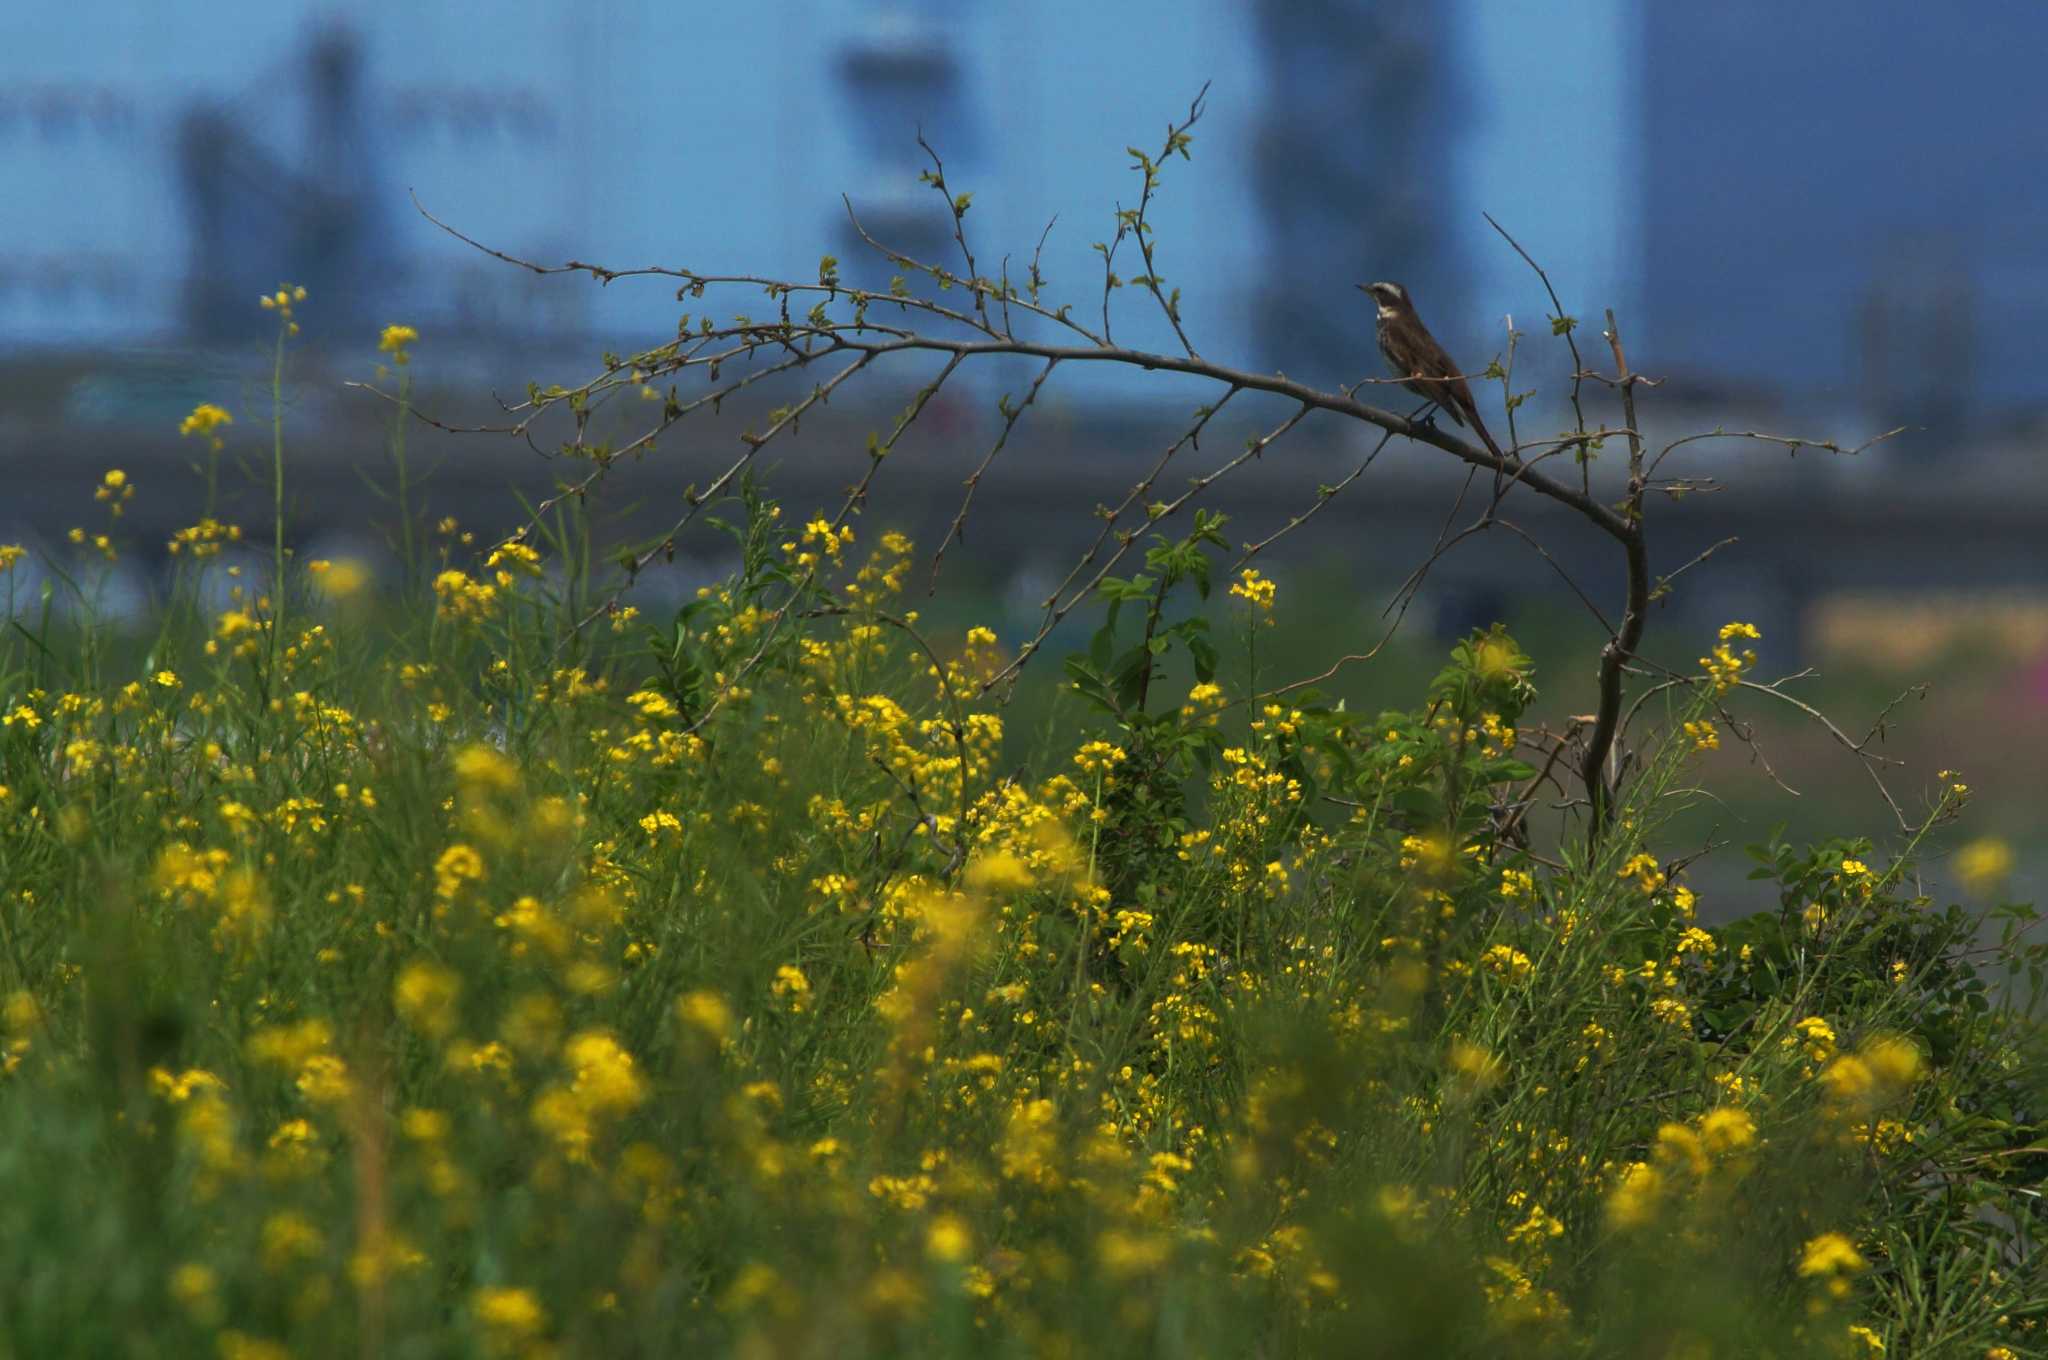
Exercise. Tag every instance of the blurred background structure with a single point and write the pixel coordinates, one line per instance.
(1824, 219)
(1831, 201)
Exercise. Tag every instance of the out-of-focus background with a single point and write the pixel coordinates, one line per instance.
(1824, 220)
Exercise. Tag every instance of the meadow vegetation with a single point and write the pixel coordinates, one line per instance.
(459, 967)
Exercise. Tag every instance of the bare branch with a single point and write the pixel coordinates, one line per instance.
(1559, 319)
(830, 324)
(956, 208)
(1562, 574)
(1785, 441)
(1324, 495)
(1663, 585)
(1011, 414)
(1177, 139)
(1622, 645)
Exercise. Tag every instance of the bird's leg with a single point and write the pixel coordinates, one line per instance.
(1424, 414)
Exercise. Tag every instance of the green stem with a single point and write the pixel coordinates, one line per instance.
(404, 481)
(277, 489)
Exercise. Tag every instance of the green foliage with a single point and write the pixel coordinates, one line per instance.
(530, 977)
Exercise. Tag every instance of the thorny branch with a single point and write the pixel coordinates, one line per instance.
(848, 330)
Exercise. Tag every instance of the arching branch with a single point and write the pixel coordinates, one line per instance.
(850, 331)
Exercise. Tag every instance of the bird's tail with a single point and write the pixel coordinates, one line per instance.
(1479, 428)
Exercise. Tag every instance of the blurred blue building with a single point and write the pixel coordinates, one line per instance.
(1826, 197)
(1849, 197)
(167, 163)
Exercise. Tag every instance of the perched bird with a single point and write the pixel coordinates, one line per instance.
(1420, 362)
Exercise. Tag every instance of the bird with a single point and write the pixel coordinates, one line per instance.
(1420, 362)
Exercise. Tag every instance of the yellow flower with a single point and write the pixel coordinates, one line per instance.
(394, 341)
(425, 996)
(1098, 756)
(281, 302)
(114, 490)
(1834, 1258)
(458, 864)
(706, 1011)
(509, 1314)
(1643, 869)
(1477, 1068)
(288, 1236)
(1723, 665)
(1984, 864)
(792, 988)
(205, 421)
(661, 822)
(339, 580)
(177, 1088)
(1001, 871)
(1509, 962)
(1255, 590)
(485, 769)
(324, 1080)
(1726, 1130)
(236, 1345)
(606, 1080)
(1635, 1197)
(196, 1287)
(1894, 1061)
(948, 1239)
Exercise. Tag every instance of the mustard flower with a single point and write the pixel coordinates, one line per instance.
(792, 988)
(1255, 590)
(196, 1287)
(509, 1314)
(1509, 962)
(205, 421)
(1644, 870)
(114, 491)
(425, 996)
(394, 341)
(1726, 1129)
(706, 1011)
(1636, 1197)
(1724, 666)
(1982, 866)
(1833, 1258)
(606, 1081)
(948, 1239)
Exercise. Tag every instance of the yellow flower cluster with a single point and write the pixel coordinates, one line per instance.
(397, 341)
(282, 301)
(1724, 665)
(755, 993)
(1255, 590)
(206, 421)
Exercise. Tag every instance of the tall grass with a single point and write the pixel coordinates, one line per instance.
(434, 974)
